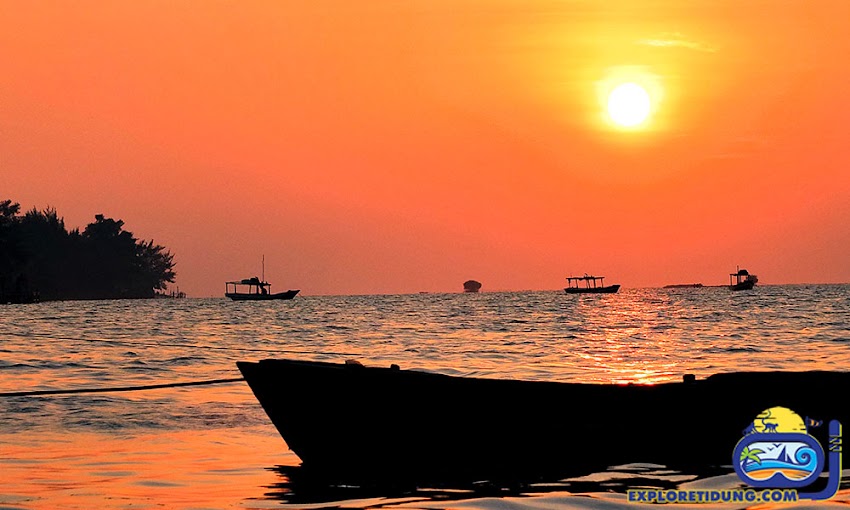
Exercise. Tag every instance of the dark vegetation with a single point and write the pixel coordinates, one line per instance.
(41, 261)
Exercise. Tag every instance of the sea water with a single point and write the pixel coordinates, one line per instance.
(213, 447)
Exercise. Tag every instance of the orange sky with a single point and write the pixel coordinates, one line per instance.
(385, 146)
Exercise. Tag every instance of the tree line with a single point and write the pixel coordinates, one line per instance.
(40, 260)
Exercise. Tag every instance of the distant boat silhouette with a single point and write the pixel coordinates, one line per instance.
(742, 280)
(684, 286)
(592, 285)
(257, 289)
(253, 289)
(471, 286)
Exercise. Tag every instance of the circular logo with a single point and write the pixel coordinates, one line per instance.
(777, 451)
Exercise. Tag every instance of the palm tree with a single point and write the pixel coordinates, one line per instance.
(748, 456)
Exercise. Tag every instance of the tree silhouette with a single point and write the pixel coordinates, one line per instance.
(10, 250)
(41, 260)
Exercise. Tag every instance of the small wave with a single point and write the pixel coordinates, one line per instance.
(4, 365)
(184, 360)
(722, 350)
(142, 368)
(49, 365)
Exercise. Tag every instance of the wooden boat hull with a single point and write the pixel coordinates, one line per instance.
(745, 285)
(238, 296)
(609, 289)
(358, 421)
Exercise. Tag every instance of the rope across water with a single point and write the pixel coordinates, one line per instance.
(42, 393)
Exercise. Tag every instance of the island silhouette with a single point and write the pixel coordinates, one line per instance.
(40, 260)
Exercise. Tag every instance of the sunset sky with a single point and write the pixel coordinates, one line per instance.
(387, 146)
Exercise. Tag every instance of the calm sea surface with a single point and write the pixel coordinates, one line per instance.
(213, 446)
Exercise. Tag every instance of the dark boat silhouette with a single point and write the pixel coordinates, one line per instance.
(471, 286)
(592, 285)
(254, 289)
(742, 280)
(347, 420)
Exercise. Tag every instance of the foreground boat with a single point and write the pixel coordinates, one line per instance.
(253, 289)
(591, 285)
(347, 419)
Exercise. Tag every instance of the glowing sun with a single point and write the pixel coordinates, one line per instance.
(629, 105)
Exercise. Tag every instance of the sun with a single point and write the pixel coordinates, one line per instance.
(629, 105)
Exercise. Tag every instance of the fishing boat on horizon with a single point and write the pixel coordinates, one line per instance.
(591, 285)
(254, 289)
(350, 420)
(471, 286)
(742, 280)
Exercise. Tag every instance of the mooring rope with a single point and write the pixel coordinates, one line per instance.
(41, 393)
